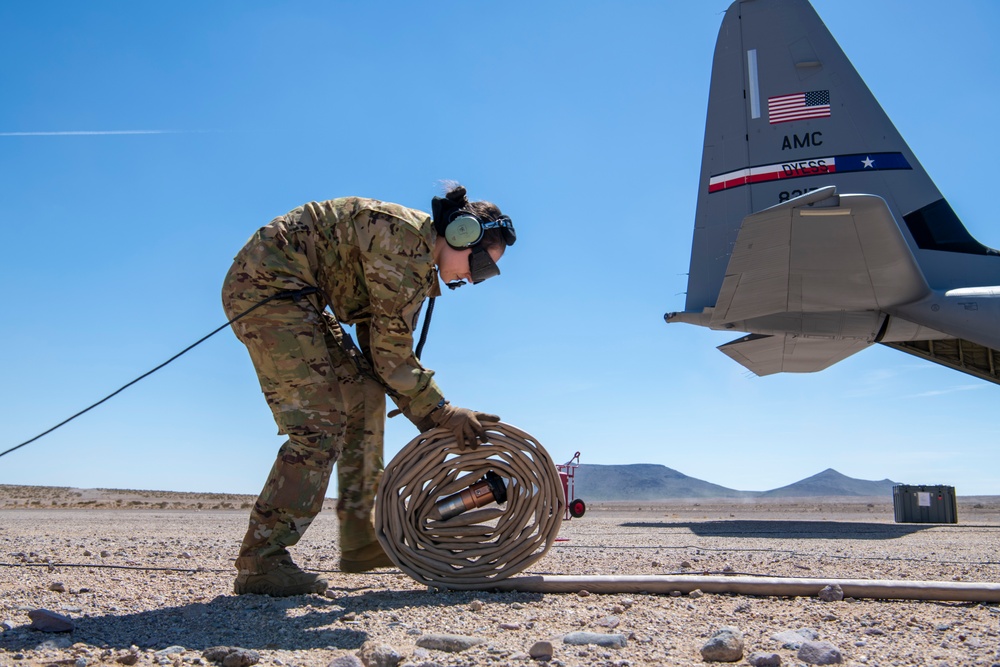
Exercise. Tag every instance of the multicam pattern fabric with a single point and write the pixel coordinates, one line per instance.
(372, 262)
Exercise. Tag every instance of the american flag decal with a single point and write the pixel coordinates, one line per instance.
(798, 106)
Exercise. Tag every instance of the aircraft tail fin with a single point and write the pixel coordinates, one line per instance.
(788, 114)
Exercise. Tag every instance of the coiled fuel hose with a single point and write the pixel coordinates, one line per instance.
(462, 519)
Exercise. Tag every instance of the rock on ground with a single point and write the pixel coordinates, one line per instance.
(726, 645)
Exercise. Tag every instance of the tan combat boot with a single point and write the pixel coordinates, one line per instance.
(275, 577)
(360, 550)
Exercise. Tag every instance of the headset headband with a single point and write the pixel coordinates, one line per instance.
(506, 225)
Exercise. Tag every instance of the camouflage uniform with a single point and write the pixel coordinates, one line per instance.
(372, 263)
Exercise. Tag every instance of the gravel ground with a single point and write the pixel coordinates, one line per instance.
(153, 586)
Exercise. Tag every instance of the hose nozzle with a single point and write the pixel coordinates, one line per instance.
(487, 490)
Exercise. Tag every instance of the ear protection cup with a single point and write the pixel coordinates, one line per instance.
(463, 231)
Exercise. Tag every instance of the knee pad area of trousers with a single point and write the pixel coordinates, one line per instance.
(311, 448)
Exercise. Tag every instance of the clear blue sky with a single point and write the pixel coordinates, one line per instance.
(582, 120)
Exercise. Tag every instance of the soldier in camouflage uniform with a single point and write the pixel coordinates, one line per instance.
(372, 263)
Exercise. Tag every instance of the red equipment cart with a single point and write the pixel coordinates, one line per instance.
(575, 508)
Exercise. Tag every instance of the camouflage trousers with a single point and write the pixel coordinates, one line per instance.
(330, 411)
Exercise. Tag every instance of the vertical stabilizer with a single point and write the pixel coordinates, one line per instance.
(788, 114)
(817, 230)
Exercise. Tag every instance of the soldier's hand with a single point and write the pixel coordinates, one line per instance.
(465, 424)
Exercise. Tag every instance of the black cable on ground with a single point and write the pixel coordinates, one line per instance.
(162, 568)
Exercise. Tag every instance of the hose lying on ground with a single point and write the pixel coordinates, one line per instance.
(742, 585)
(483, 548)
(480, 546)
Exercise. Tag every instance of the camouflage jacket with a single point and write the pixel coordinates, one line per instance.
(374, 262)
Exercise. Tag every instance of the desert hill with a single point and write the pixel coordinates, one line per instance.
(832, 483)
(643, 481)
(48, 497)
(637, 482)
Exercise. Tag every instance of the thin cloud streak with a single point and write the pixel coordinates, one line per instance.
(950, 390)
(77, 133)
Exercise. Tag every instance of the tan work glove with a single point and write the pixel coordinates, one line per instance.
(467, 425)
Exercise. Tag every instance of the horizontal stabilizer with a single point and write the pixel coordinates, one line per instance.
(813, 254)
(991, 292)
(765, 355)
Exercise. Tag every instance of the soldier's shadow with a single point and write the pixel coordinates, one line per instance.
(253, 622)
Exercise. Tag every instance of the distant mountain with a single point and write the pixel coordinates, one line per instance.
(832, 483)
(646, 481)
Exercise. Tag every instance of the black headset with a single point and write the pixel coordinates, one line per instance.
(463, 229)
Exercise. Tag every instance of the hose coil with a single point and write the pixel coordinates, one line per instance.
(479, 546)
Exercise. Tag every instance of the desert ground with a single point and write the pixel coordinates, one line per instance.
(146, 578)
